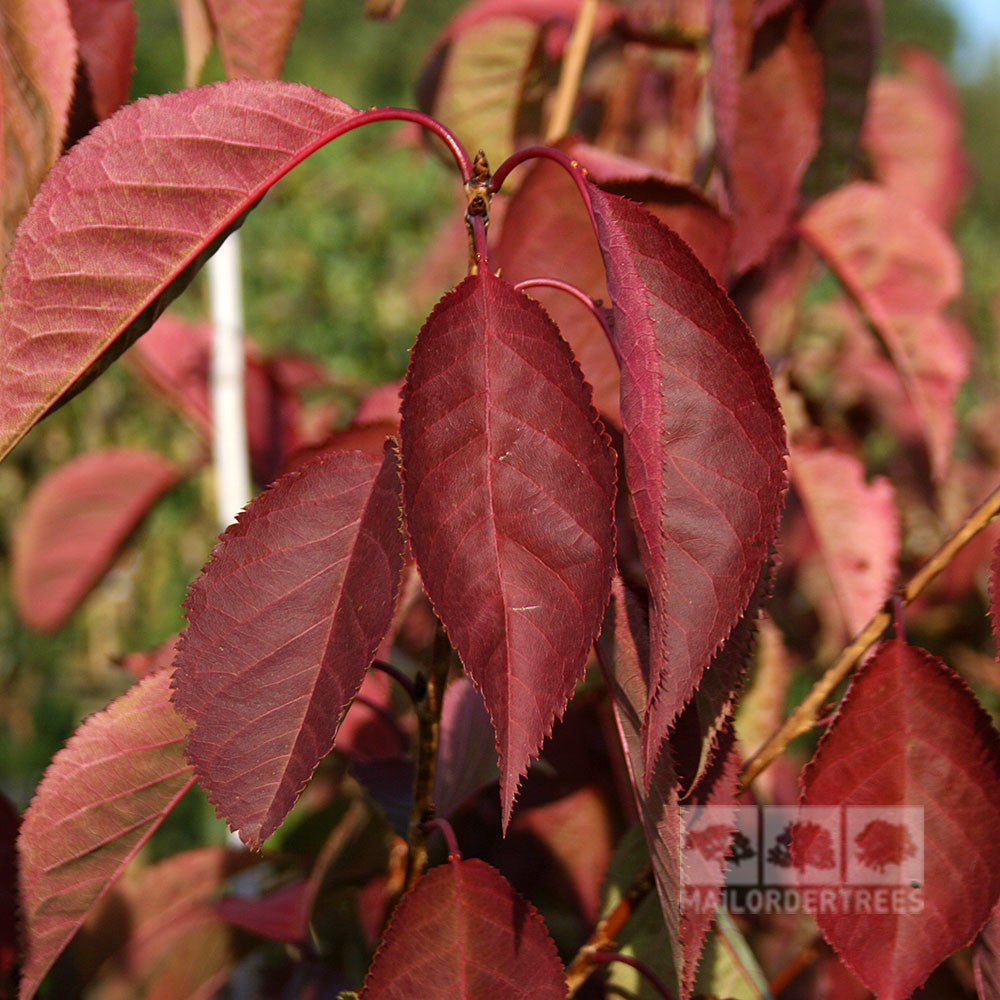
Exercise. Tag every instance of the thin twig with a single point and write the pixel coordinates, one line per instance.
(398, 676)
(804, 717)
(448, 832)
(573, 62)
(428, 708)
(605, 933)
(801, 961)
(598, 311)
(604, 957)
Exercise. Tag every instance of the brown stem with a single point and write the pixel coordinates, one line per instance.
(430, 696)
(806, 957)
(572, 70)
(603, 938)
(804, 716)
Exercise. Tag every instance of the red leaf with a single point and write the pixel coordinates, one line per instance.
(282, 625)
(149, 661)
(913, 134)
(254, 35)
(105, 30)
(36, 80)
(82, 285)
(902, 270)
(509, 484)
(463, 933)
(704, 449)
(99, 802)
(910, 733)
(856, 526)
(75, 523)
(282, 915)
(776, 136)
(624, 653)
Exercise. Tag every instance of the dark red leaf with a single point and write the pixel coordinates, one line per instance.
(910, 733)
(856, 525)
(9, 823)
(80, 285)
(36, 81)
(282, 625)
(687, 910)
(105, 30)
(99, 802)
(282, 915)
(913, 134)
(776, 136)
(731, 36)
(75, 523)
(704, 448)
(254, 35)
(903, 271)
(463, 933)
(848, 34)
(509, 485)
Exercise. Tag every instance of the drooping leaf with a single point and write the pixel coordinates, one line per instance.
(775, 137)
(181, 171)
(624, 650)
(105, 31)
(509, 484)
(704, 449)
(466, 759)
(463, 933)
(99, 802)
(9, 823)
(75, 523)
(903, 271)
(254, 35)
(848, 34)
(856, 525)
(913, 135)
(36, 88)
(282, 625)
(909, 733)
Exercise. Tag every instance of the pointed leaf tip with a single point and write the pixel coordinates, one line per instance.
(509, 485)
(704, 449)
(282, 625)
(464, 933)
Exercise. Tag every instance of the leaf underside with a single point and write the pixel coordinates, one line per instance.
(904, 736)
(282, 625)
(98, 803)
(126, 218)
(254, 35)
(704, 449)
(463, 933)
(509, 486)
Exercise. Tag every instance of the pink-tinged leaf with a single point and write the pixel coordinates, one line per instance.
(704, 449)
(370, 729)
(36, 87)
(856, 525)
(913, 135)
(731, 37)
(9, 823)
(775, 137)
(909, 733)
(986, 958)
(151, 660)
(254, 35)
(509, 485)
(463, 933)
(466, 759)
(282, 915)
(196, 32)
(181, 171)
(902, 270)
(99, 801)
(624, 650)
(282, 625)
(848, 34)
(105, 30)
(74, 524)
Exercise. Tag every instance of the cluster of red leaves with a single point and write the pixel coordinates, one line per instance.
(545, 488)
